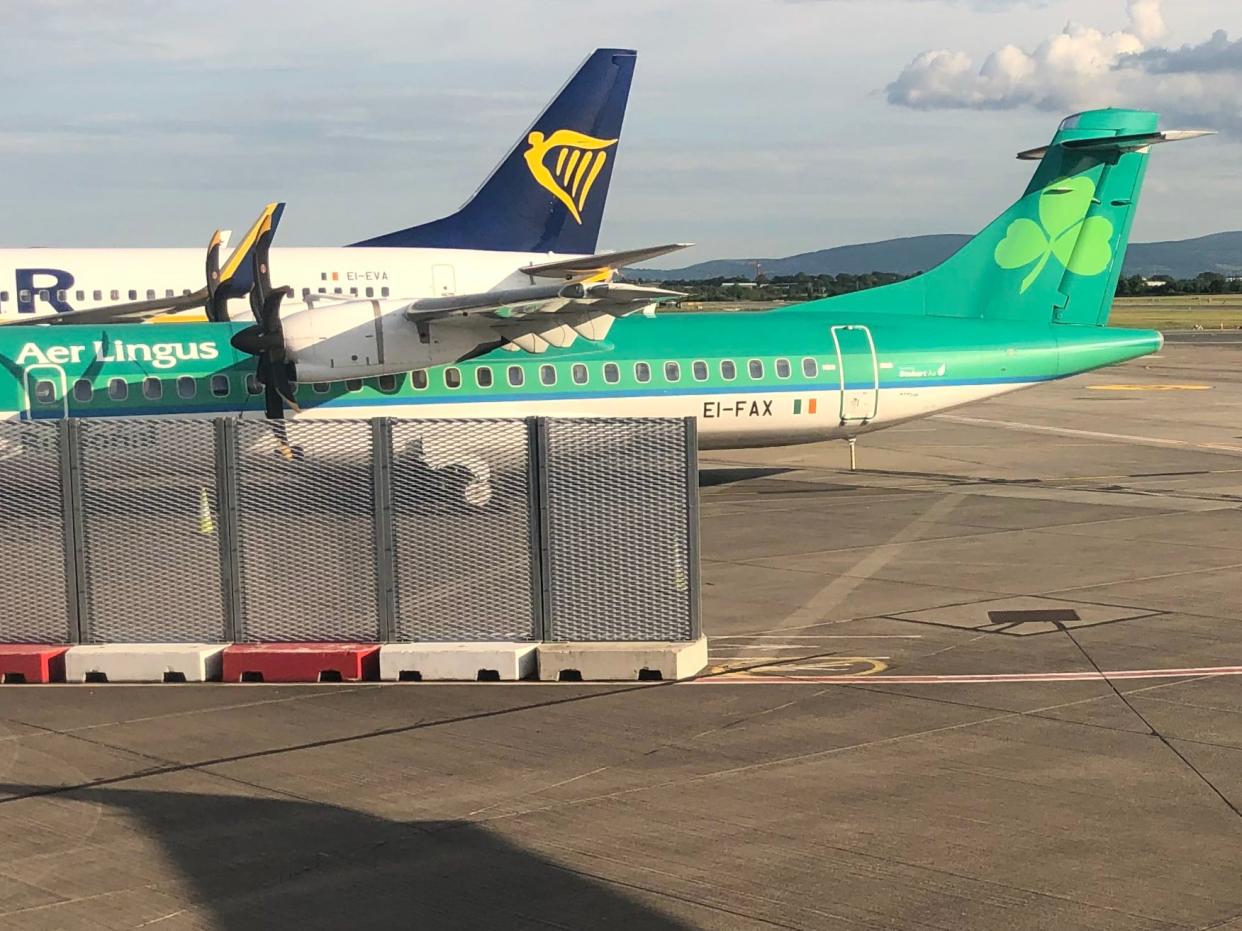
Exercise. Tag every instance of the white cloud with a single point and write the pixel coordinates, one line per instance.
(1070, 70)
(1083, 67)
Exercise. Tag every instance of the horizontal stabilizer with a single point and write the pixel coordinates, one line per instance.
(1129, 143)
(600, 262)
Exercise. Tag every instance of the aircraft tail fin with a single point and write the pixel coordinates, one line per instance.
(548, 193)
(1057, 253)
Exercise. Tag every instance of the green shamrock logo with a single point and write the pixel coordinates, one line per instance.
(1083, 246)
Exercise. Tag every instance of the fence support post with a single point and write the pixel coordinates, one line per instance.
(693, 552)
(381, 483)
(78, 621)
(541, 525)
(225, 434)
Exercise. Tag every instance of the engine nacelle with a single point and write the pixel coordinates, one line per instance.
(362, 339)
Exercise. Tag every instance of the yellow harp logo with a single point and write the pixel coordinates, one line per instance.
(579, 160)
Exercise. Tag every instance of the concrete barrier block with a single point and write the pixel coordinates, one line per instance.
(460, 662)
(30, 662)
(622, 662)
(301, 662)
(143, 662)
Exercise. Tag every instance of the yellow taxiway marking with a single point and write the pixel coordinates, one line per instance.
(835, 665)
(1149, 387)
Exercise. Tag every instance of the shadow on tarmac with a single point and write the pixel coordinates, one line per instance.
(264, 863)
(709, 478)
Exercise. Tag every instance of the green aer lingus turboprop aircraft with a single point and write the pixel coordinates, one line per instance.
(1026, 301)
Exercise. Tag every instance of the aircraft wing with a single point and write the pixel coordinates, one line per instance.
(131, 312)
(587, 265)
(606, 296)
(534, 319)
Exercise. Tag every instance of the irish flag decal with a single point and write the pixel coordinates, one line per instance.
(804, 407)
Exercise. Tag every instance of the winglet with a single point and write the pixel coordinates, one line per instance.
(216, 298)
(236, 272)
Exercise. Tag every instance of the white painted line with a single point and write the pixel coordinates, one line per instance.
(818, 637)
(998, 678)
(1062, 431)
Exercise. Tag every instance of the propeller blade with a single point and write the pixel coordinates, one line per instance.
(266, 339)
(273, 403)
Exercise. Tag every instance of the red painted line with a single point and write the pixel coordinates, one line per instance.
(1084, 676)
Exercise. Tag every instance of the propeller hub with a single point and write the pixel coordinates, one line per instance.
(253, 341)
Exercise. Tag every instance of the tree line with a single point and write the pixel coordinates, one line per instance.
(804, 287)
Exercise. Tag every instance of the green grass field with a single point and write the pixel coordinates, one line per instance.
(1211, 312)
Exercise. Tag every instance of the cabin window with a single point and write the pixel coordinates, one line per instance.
(755, 368)
(782, 368)
(353, 384)
(483, 376)
(383, 292)
(43, 295)
(516, 376)
(96, 295)
(45, 391)
(579, 372)
(61, 295)
(547, 375)
(642, 372)
(305, 293)
(387, 383)
(116, 295)
(118, 389)
(370, 292)
(150, 294)
(353, 292)
(323, 290)
(219, 386)
(4, 295)
(187, 387)
(338, 291)
(810, 368)
(728, 371)
(80, 295)
(452, 377)
(418, 379)
(169, 292)
(133, 295)
(83, 390)
(321, 387)
(152, 389)
(252, 385)
(672, 371)
(23, 296)
(185, 292)
(700, 371)
(612, 374)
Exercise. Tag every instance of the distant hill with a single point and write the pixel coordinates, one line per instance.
(1219, 252)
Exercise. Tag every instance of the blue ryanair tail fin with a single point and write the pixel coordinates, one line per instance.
(548, 194)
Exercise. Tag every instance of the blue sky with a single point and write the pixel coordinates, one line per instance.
(756, 128)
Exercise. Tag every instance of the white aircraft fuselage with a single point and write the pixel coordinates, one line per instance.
(40, 282)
